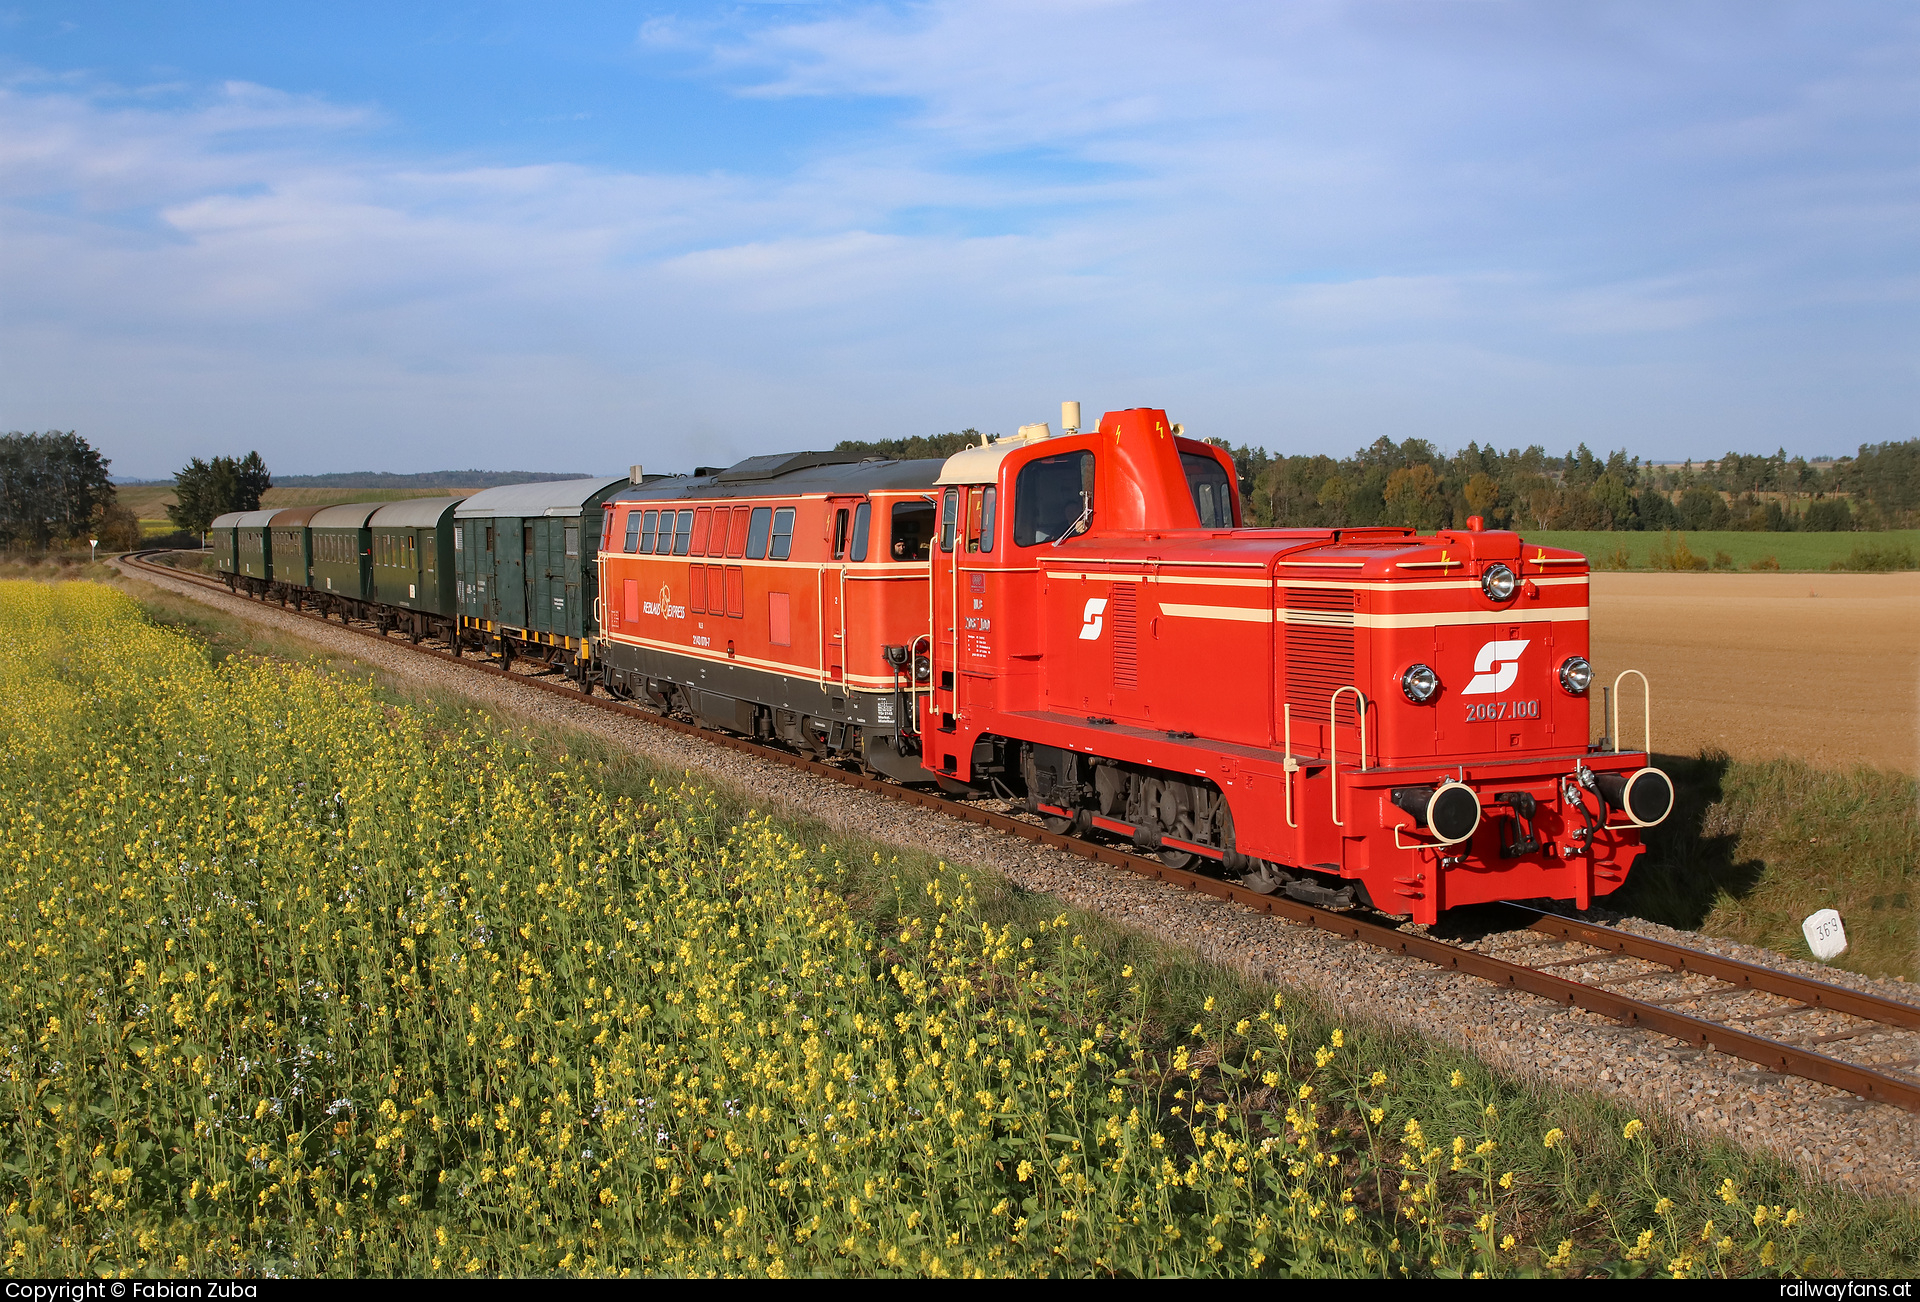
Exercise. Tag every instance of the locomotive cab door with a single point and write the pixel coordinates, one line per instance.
(943, 701)
(833, 588)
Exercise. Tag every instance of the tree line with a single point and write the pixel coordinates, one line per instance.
(1414, 483)
(203, 490)
(54, 488)
(56, 492)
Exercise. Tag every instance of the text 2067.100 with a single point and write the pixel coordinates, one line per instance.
(1493, 710)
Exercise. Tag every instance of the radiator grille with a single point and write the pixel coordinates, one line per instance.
(1319, 653)
(1126, 647)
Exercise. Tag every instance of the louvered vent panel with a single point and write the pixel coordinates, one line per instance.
(1126, 645)
(1319, 647)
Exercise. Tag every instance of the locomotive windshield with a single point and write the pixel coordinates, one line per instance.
(1212, 494)
(1051, 497)
(912, 531)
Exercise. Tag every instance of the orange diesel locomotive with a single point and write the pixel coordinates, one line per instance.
(1079, 622)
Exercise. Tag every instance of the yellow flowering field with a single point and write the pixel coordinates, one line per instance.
(301, 983)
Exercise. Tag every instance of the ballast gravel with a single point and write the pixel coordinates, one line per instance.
(1874, 1148)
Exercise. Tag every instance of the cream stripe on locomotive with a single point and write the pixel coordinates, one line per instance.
(1355, 619)
(871, 682)
(1195, 580)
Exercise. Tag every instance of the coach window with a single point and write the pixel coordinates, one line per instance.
(912, 531)
(781, 545)
(1053, 499)
(949, 515)
(840, 534)
(633, 531)
(682, 533)
(757, 532)
(860, 515)
(737, 532)
(1212, 493)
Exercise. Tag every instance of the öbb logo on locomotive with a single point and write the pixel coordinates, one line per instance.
(1487, 681)
(1267, 704)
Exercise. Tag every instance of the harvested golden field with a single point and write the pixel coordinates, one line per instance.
(1824, 667)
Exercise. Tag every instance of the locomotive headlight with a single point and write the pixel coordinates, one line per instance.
(1419, 683)
(1576, 675)
(1498, 583)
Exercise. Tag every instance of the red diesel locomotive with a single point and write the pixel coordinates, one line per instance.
(1078, 621)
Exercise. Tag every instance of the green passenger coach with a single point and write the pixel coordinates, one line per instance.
(525, 569)
(254, 530)
(413, 554)
(223, 537)
(342, 547)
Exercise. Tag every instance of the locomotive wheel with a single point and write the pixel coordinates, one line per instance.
(1264, 878)
(1177, 858)
(1079, 825)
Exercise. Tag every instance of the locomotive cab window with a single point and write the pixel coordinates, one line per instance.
(912, 531)
(949, 517)
(781, 545)
(1211, 489)
(841, 526)
(980, 504)
(1053, 499)
(860, 522)
(757, 532)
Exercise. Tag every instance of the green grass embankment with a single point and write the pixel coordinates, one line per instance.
(1609, 549)
(1754, 846)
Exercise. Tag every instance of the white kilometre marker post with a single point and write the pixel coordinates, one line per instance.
(93, 549)
(1826, 937)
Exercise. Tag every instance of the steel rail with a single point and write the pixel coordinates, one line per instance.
(1815, 994)
(1788, 1059)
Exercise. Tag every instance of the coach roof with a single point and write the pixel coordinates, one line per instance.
(790, 475)
(414, 513)
(553, 497)
(349, 515)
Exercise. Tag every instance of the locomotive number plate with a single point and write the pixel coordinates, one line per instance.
(1493, 710)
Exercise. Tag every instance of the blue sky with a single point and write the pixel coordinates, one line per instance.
(509, 235)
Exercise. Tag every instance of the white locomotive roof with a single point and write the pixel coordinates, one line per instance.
(981, 465)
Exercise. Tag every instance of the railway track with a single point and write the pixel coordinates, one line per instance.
(1566, 960)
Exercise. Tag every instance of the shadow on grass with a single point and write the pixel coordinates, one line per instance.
(1693, 858)
(1755, 846)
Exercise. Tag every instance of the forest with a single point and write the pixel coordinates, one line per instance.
(1415, 483)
